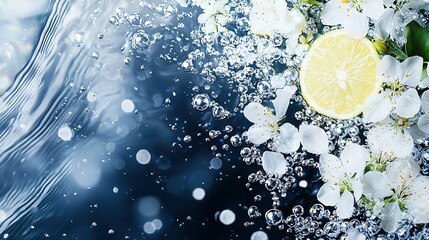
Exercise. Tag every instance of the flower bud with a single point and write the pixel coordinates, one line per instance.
(381, 46)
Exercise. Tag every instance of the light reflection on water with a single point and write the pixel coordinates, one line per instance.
(79, 116)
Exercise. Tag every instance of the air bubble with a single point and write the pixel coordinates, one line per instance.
(273, 217)
(135, 19)
(227, 217)
(127, 106)
(259, 235)
(201, 101)
(143, 156)
(140, 40)
(253, 212)
(317, 211)
(65, 133)
(198, 194)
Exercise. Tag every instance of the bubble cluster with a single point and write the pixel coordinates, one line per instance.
(230, 69)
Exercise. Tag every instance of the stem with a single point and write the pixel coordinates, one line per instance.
(396, 50)
(313, 2)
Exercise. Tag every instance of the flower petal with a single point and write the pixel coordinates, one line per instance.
(408, 104)
(384, 26)
(281, 102)
(274, 163)
(288, 140)
(314, 139)
(357, 188)
(418, 201)
(389, 3)
(400, 174)
(259, 134)
(333, 13)
(375, 185)
(425, 101)
(261, 18)
(387, 69)
(356, 24)
(328, 194)
(377, 107)
(390, 142)
(345, 205)
(331, 168)
(390, 217)
(354, 158)
(291, 23)
(424, 83)
(423, 123)
(411, 71)
(256, 113)
(373, 8)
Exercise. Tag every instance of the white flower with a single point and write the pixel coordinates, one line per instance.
(423, 122)
(269, 16)
(265, 122)
(395, 17)
(342, 176)
(286, 138)
(352, 15)
(274, 163)
(398, 95)
(389, 140)
(215, 15)
(410, 191)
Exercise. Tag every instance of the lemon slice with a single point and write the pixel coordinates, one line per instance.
(338, 74)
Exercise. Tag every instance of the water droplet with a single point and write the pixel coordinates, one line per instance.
(79, 38)
(95, 55)
(187, 139)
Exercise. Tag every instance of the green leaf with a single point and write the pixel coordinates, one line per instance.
(313, 2)
(417, 40)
